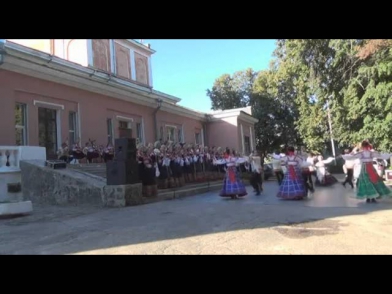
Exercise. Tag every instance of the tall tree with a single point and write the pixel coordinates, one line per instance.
(234, 91)
(370, 94)
(276, 111)
(351, 79)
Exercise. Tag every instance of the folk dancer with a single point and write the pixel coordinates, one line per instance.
(307, 177)
(312, 160)
(348, 169)
(292, 187)
(357, 165)
(255, 166)
(324, 178)
(307, 169)
(370, 184)
(233, 186)
(277, 166)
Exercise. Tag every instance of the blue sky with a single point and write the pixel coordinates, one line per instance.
(186, 68)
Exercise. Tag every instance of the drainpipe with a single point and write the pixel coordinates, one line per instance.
(159, 105)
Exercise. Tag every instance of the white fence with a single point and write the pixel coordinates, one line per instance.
(10, 156)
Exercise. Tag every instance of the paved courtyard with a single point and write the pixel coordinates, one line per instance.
(329, 223)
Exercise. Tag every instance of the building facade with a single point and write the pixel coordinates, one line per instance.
(100, 89)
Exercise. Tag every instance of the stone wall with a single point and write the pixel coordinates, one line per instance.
(44, 185)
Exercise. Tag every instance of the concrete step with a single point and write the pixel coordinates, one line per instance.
(188, 190)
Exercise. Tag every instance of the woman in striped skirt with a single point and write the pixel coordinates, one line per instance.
(293, 186)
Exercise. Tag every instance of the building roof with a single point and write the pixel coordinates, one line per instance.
(35, 63)
(141, 45)
(244, 113)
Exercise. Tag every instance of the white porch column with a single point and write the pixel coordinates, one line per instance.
(251, 138)
(149, 71)
(143, 132)
(133, 66)
(90, 53)
(242, 139)
(112, 56)
(79, 122)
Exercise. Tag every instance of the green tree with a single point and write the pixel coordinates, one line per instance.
(234, 91)
(351, 77)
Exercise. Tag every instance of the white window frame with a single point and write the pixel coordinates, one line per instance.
(167, 127)
(139, 128)
(111, 130)
(58, 108)
(251, 138)
(198, 132)
(179, 134)
(129, 123)
(247, 144)
(75, 131)
(24, 127)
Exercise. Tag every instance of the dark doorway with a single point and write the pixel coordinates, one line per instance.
(47, 131)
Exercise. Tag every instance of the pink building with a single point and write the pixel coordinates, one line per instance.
(100, 89)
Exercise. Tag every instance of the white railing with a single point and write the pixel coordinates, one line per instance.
(10, 156)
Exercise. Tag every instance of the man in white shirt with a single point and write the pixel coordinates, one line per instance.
(256, 180)
(349, 170)
(277, 166)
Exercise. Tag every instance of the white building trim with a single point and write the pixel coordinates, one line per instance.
(182, 134)
(124, 118)
(143, 132)
(132, 65)
(59, 48)
(171, 126)
(48, 105)
(79, 120)
(59, 108)
(141, 46)
(90, 52)
(242, 139)
(234, 113)
(58, 126)
(149, 66)
(112, 57)
(251, 138)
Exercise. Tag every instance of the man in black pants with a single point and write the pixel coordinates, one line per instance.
(349, 169)
(256, 180)
(277, 166)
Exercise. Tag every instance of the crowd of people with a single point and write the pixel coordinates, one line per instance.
(171, 165)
